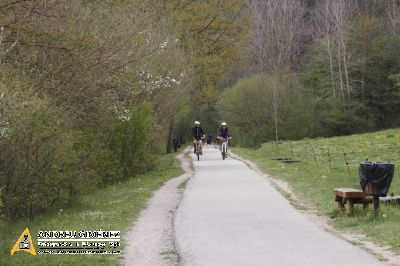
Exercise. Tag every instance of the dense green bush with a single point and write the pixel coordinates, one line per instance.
(42, 166)
(131, 141)
(249, 109)
(333, 120)
(27, 173)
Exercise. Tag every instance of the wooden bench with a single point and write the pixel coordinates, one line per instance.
(347, 197)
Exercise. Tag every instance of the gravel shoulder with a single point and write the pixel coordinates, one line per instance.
(150, 240)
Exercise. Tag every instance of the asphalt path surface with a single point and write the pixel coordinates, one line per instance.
(231, 215)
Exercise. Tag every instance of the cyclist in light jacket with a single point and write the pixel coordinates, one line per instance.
(223, 132)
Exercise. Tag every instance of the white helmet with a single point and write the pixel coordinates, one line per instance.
(196, 122)
(223, 124)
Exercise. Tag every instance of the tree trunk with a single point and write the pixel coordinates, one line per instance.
(312, 110)
(364, 59)
(346, 73)
(331, 69)
(276, 110)
(170, 137)
(341, 76)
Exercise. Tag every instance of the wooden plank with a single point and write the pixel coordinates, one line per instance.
(349, 193)
(390, 199)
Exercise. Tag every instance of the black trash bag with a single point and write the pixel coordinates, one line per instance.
(379, 174)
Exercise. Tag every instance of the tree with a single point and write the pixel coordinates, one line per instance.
(76, 78)
(212, 34)
(277, 39)
(278, 34)
(330, 22)
(392, 11)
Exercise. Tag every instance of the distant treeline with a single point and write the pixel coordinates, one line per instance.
(316, 68)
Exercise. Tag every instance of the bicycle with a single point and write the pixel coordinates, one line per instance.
(199, 149)
(224, 147)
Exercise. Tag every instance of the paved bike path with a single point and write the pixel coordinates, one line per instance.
(231, 215)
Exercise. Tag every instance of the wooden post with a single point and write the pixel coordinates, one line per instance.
(370, 190)
(340, 202)
(330, 161)
(349, 207)
(315, 157)
(376, 206)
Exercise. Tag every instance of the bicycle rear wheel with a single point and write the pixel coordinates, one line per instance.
(198, 148)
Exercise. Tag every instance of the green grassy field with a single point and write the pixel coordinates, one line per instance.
(313, 180)
(112, 208)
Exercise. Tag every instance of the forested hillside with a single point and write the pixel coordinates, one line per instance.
(92, 91)
(316, 68)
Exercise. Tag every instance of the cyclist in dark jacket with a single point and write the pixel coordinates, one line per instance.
(197, 134)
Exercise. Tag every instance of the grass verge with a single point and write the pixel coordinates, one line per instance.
(112, 208)
(323, 167)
